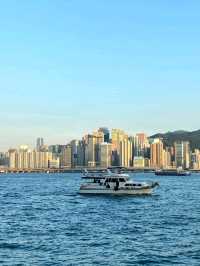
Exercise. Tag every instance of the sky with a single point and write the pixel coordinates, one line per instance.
(68, 67)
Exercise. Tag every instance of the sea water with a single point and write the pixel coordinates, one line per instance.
(44, 221)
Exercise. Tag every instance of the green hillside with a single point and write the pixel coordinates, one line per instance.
(170, 137)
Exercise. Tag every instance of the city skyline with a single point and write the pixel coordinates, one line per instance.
(104, 148)
(33, 143)
(72, 66)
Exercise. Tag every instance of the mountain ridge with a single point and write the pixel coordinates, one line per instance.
(170, 137)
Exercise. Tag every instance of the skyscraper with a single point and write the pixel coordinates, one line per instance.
(126, 152)
(92, 148)
(81, 153)
(4, 159)
(13, 158)
(141, 144)
(105, 154)
(195, 159)
(66, 156)
(74, 146)
(156, 150)
(106, 133)
(23, 157)
(39, 143)
(167, 158)
(182, 154)
(117, 136)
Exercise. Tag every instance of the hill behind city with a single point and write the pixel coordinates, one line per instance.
(170, 137)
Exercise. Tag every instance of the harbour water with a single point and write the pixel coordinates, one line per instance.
(44, 221)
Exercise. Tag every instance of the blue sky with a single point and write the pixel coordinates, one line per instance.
(68, 67)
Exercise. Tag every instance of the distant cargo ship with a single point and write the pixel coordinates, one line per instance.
(172, 172)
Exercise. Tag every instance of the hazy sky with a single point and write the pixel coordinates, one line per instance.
(68, 67)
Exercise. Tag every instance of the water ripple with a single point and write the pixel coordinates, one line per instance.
(45, 222)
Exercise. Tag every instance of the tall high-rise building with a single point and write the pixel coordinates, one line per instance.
(92, 148)
(39, 143)
(32, 159)
(118, 135)
(195, 159)
(99, 135)
(106, 133)
(66, 156)
(23, 155)
(13, 159)
(27, 159)
(141, 145)
(81, 153)
(41, 159)
(56, 149)
(74, 147)
(105, 154)
(167, 158)
(4, 159)
(156, 150)
(126, 152)
(54, 162)
(182, 154)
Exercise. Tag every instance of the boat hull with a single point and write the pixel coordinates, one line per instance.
(142, 191)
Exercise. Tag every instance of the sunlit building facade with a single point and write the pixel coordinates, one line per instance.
(156, 151)
(182, 154)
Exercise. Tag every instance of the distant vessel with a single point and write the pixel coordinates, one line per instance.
(2, 171)
(115, 184)
(172, 172)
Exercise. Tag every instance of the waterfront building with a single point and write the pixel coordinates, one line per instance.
(106, 133)
(66, 156)
(118, 135)
(39, 144)
(167, 160)
(141, 145)
(182, 154)
(56, 149)
(74, 154)
(99, 135)
(26, 159)
(32, 160)
(54, 163)
(41, 159)
(13, 158)
(147, 163)
(4, 159)
(156, 152)
(23, 157)
(126, 152)
(195, 159)
(81, 153)
(139, 162)
(92, 148)
(105, 154)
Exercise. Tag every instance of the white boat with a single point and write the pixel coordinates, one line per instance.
(115, 184)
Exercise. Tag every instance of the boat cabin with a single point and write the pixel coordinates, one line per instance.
(114, 179)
